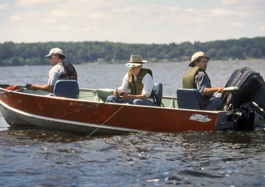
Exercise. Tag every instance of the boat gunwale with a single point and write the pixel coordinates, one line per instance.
(121, 104)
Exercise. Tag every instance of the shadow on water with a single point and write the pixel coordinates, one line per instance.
(47, 135)
(43, 135)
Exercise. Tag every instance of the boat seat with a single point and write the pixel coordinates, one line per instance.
(66, 88)
(158, 91)
(189, 98)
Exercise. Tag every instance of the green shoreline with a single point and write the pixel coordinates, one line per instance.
(13, 54)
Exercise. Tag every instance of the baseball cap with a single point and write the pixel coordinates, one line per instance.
(54, 51)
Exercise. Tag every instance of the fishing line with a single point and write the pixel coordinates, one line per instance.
(69, 114)
(81, 110)
(106, 121)
(45, 123)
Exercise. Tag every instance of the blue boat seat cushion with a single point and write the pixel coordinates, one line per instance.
(189, 98)
(66, 88)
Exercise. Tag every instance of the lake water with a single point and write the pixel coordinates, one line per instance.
(41, 157)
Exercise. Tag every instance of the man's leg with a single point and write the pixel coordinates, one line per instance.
(114, 99)
(143, 102)
(214, 103)
(111, 98)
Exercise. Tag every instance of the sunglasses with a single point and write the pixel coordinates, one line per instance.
(50, 57)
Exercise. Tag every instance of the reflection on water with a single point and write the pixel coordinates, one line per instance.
(41, 157)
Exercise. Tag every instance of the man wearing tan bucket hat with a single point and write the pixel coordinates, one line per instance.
(197, 78)
(138, 81)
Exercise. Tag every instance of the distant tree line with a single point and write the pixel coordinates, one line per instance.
(80, 52)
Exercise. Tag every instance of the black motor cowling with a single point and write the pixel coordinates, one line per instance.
(251, 92)
(251, 87)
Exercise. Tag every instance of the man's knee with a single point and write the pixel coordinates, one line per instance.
(111, 98)
(142, 102)
(138, 102)
(214, 104)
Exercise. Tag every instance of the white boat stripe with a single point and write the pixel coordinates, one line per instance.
(71, 122)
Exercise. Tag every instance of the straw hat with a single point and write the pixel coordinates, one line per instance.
(197, 55)
(135, 60)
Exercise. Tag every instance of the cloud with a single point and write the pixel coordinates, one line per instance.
(230, 2)
(174, 8)
(237, 24)
(15, 17)
(90, 5)
(29, 32)
(62, 28)
(154, 34)
(129, 21)
(126, 9)
(90, 29)
(32, 3)
(96, 16)
(3, 6)
(27, 16)
(237, 2)
(190, 10)
(222, 12)
(262, 28)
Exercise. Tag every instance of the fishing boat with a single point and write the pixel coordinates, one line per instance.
(88, 113)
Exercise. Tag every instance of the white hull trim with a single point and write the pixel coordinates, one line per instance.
(16, 117)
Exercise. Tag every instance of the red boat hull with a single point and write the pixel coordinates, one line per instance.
(127, 118)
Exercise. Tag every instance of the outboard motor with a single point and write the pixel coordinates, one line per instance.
(243, 104)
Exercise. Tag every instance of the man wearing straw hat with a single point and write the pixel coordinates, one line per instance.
(138, 81)
(197, 78)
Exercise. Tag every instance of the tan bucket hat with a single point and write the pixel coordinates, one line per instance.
(197, 55)
(135, 60)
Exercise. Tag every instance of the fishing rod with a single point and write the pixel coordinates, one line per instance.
(27, 87)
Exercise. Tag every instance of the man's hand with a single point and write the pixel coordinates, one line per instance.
(33, 87)
(44, 87)
(220, 89)
(210, 91)
(124, 96)
(116, 93)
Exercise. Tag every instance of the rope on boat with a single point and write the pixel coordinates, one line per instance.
(106, 121)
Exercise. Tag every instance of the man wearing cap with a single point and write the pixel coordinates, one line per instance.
(197, 78)
(138, 81)
(60, 70)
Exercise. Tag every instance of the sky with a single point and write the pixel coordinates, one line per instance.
(130, 21)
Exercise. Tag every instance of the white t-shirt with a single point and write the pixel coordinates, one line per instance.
(147, 81)
(55, 73)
